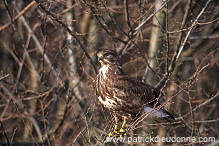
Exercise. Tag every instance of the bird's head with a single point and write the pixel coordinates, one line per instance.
(107, 56)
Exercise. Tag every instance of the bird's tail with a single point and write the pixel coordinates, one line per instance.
(162, 116)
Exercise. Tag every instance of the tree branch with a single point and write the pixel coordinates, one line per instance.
(69, 31)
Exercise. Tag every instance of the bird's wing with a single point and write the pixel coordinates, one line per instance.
(130, 89)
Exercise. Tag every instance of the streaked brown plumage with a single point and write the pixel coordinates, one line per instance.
(125, 96)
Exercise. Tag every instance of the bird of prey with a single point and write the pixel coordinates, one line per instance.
(126, 97)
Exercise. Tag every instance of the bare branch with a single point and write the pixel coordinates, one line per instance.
(146, 19)
(190, 31)
(5, 134)
(69, 31)
(201, 105)
(18, 15)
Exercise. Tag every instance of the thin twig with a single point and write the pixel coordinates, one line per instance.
(176, 57)
(180, 37)
(202, 104)
(111, 16)
(104, 26)
(4, 133)
(195, 24)
(11, 95)
(5, 76)
(167, 39)
(208, 121)
(46, 136)
(18, 15)
(145, 20)
(20, 106)
(126, 4)
(214, 36)
(62, 23)
(13, 135)
(40, 48)
(190, 31)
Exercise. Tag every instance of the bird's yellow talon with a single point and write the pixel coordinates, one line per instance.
(113, 133)
(122, 133)
(122, 130)
(118, 132)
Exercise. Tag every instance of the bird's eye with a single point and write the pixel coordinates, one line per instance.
(100, 56)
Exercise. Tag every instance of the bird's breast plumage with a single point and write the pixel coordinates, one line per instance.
(117, 91)
(104, 88)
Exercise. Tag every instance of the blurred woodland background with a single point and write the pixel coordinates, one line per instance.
(48, 62)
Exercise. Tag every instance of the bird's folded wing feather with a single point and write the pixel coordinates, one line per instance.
(129, 89)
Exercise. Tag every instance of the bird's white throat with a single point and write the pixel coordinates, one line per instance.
(103, 70)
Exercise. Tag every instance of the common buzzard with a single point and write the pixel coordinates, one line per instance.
(126, 97)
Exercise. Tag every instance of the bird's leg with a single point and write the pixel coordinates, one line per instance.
(116, 128)
(122, 131)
